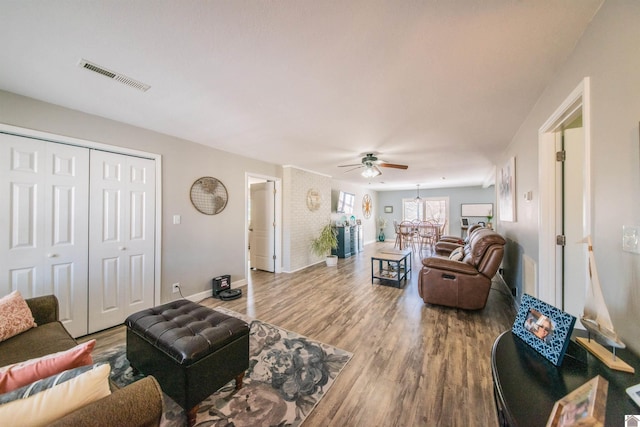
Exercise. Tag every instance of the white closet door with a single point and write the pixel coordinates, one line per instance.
(121, 238)
(44, 224)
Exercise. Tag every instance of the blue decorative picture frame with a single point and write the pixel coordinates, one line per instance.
(544, 327)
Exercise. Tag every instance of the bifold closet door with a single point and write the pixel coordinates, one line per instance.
(121, 237)
(44, 224)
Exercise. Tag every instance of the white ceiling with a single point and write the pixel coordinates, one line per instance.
(441, 86)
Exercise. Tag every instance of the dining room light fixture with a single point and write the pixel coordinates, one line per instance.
(370, 171)
(418, 199)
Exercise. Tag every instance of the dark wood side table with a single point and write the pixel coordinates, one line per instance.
(526, 385)
(396, 266)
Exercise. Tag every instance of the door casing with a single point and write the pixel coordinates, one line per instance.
(577, 103)
(46, 136)
(277, 214)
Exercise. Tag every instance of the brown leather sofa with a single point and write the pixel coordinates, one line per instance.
(137, 405)
(448, 244)
(463, 284)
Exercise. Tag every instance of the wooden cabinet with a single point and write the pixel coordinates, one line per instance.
(357, 245)
(344, 242)
(526, 385)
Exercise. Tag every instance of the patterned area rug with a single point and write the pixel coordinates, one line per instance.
(288, 375)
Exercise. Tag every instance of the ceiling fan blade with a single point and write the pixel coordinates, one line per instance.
(350, 166)
(392, 165)
(352, 169)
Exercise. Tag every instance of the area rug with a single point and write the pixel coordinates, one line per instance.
(288, 375)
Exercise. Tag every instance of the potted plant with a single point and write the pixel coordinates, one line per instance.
(324, 243)
(489, 224)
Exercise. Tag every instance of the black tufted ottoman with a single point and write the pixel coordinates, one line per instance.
(190, 349)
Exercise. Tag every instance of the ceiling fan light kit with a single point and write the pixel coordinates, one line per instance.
(371, 172)
(371, 163)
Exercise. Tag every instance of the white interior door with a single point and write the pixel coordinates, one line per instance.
(575, 265)
(121, 238)
(44, 232)
(262, 229)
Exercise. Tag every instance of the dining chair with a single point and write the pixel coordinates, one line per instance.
(441, 230)
(427, 233)
(396, 229)
(406, 230)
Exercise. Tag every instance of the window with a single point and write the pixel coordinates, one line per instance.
(430, 209)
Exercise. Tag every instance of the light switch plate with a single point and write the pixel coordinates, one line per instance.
(176, 219)
(631, 238)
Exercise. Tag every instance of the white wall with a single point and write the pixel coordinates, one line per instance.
(202, 246)
(608, 54)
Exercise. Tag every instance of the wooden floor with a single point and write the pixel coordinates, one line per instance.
(413, 364)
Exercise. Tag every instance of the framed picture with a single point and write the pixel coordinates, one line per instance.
(634, 393)
(544, 327)
(388, 209)
(506, 191)
(584, 406)
(476, 209)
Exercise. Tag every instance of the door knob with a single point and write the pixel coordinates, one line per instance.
(122, 248)
(52, 255)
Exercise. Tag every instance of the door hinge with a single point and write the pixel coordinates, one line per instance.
(561, 240)
(274, 257)
(561, 156)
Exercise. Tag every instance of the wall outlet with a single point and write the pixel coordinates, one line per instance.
(176, 287)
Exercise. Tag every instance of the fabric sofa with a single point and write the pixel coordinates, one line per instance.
(466, 283)
(138, 404)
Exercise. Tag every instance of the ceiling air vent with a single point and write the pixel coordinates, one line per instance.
(113, 75)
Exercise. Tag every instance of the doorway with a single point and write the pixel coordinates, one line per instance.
(263, 223)
(565, 200)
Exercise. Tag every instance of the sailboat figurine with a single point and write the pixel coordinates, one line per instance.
(596, 319)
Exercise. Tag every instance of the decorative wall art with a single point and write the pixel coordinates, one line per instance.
(366, 206)
(544, 327)
(506, 191)
(314, 199)
(476, 209)
(208, 195)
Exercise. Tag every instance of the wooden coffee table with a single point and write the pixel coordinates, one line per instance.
(392, 266)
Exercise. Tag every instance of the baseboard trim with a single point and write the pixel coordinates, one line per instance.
(208, 294)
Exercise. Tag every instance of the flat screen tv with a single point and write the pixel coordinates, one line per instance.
(346, 201)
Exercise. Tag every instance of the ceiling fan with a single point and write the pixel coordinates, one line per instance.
(372, 165)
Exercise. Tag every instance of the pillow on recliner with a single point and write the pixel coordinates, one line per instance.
(457, 254)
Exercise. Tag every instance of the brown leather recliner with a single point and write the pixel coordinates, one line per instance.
(463, 284)
(447, 244)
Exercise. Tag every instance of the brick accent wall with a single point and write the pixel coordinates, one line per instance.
(301, 225)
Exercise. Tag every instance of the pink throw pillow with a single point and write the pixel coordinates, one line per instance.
(15, 315)
(23, 373)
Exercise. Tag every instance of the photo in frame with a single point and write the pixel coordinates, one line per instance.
(584, 406)
(388, 209)
(544, 327)
(506, 191)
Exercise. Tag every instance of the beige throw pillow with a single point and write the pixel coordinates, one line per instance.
(457, 254)
(49, 405)
(15, 315)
